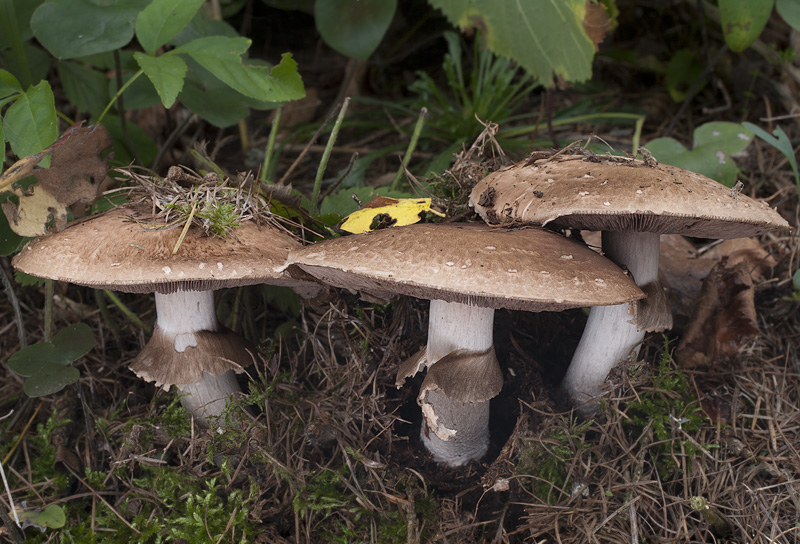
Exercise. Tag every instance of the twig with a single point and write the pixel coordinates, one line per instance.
(12, 298)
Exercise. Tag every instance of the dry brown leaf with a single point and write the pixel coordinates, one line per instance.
(76, 171)
(745, 250)
(724, 320)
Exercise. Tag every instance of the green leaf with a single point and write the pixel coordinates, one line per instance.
(743, 20)
(223, 57)
(730, 138)
(142, 147)
(33, 359)
(10, 241)
(76, 28)
(201, 26)
(52, 378)
(52, 517)
(546, 38)
(789, 10)
(682, 71)
(85, 87)
(211, 99)
(166, 72)
(8, 84)
(354, 28)
(714, 143)
(74, 341)
(796, 280)
(162, 20)
(780, 142)
(30, 122)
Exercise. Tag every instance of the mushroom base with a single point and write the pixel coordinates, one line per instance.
(613, 334)
(468, 420)
(206, 400)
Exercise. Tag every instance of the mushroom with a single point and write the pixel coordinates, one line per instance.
(632, 202)
(466, 271)
(189, 348)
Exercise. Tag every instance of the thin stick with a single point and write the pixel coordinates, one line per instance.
(10, 498)
(323, 163)
(185, 228)
(12, 298)
(412, 145)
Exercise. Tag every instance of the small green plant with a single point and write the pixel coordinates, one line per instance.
(492, 91)
(46, 365)
(547, 461)
(671, 412)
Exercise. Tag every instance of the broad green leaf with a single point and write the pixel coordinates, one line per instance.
(166, 72)
(30, 122)
(33, 359)
(546, 38)
(76, 28)
(743, 20)
(201, 26)
(23, 9)
(8, 84)
(789, 10)
(714, 144)
(781, 142)
(37, 60)
(74, 341)
(211, 99)
(354, 28)
(796, 280)
(729, 138)
(682, 71)
(162, 20)
(85, 87)
(52, 378)
(52, 517)
(223, 57)
(10, 241)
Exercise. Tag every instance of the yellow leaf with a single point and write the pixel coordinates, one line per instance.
(398, 212)
(34, 212)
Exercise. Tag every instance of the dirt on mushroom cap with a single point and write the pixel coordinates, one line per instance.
(114, 251)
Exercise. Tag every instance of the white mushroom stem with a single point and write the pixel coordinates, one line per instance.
(179, 316)
(456, 432)
(610, 336)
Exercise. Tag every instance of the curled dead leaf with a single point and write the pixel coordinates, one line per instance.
(76, 171)
(724, 320)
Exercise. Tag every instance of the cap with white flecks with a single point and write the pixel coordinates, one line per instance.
(117, 250)
(522, 269)
(620, 194)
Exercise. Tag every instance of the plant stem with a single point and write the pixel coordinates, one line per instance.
(412, 145)
(11, 31)
(119, 93)
(326, 155)
(49, 293)
(273, 133)
(127, 311)
(103, 307)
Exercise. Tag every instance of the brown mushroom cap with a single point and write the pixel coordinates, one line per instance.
(521, 269)
(619, 194)
(114, 251)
